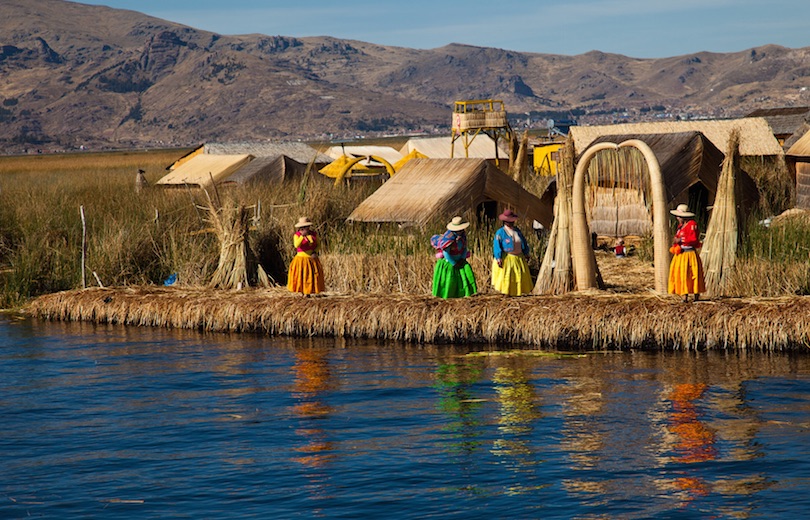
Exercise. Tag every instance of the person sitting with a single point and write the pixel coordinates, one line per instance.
(618, 248)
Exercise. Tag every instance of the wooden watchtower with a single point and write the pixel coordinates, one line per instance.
(472, 117)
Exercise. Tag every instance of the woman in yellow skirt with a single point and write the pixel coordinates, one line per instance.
(510, 271)
(686, 269)
(306, 274)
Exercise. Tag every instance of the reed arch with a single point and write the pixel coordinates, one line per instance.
(584, 259)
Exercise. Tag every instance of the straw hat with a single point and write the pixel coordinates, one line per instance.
(682, 211)
(457, 224)
(508, 216)
(303, 222)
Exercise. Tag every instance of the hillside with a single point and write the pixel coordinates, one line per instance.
(76, 75)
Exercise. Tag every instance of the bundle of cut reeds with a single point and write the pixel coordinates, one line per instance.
(719, 251)
(519, 160)
(231, 224)
(556, 274)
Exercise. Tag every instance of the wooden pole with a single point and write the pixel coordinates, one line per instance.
(84, 247)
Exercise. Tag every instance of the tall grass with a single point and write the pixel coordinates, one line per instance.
(136, 239)
(775, 260)
(141, 239)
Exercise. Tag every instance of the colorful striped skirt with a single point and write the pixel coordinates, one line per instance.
(305, 275)
(514, 277)
(453, 281)
(686, 274)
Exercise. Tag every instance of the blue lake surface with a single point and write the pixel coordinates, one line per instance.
(116, 422)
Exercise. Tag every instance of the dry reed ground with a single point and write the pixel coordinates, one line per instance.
(628, 315)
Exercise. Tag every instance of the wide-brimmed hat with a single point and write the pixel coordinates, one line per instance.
(508, 216)
(303, 222)
(682, 211)
(457, 224)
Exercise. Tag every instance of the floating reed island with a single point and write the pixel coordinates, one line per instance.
(576, 321)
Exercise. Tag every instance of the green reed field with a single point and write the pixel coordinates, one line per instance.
(142, 238)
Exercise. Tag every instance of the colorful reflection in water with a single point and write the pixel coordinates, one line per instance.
(142, 423)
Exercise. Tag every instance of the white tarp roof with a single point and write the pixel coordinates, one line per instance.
(481, 147)
(384, 152)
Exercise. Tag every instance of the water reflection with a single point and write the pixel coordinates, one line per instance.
(454, 382)
(356, 429)
(583, 436)
(707, 422)
(519, 410)
(312, 381)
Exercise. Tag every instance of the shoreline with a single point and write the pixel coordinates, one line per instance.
(576, 321)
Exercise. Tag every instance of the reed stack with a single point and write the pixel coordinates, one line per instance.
(556, 275)
(719, 253)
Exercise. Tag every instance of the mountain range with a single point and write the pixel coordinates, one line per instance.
(81, 76)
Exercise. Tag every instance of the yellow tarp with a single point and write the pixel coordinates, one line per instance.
(414, 154)
(336, 167)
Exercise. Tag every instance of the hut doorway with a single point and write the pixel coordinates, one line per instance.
(487, 210)
(582, 252)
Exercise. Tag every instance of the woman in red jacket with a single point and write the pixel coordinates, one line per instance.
(686, 270)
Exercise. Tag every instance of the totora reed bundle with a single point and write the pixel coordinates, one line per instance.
(719, 251)
(519, 158)
(556, 274)
(237, 266)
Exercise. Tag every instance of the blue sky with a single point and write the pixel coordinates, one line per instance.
(636, 28)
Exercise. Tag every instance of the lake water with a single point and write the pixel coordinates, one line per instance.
(116, 422)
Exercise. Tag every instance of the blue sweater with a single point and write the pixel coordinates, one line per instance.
(503, 244)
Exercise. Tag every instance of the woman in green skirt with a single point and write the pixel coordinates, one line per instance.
(453, 277)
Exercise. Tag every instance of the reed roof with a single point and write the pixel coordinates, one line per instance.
(482, 147)
(756, 137)
(428, 188)
(266, 170)
(201, 169)
(798, 134)
(687, 158)
(801, 148)
(783, 120)
(300, 152)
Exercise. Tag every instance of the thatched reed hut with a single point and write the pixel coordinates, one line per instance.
(798, 160)
(204, 170)
(299, 152)
(784, 121)
(756, 137)
(270, 162)
(428, 188)
(619, 198)
(266, 170)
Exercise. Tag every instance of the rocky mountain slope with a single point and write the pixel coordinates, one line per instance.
(76, 75)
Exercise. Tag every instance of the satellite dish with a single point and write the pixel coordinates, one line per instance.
(550, 124)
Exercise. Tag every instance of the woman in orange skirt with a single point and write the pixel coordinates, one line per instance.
(306, 274)
(686, 270)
